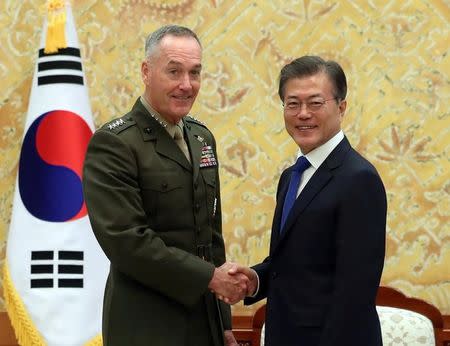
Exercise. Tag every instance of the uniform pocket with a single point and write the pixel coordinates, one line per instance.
(163, 196)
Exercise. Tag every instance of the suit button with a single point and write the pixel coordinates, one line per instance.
(196, 186)
(198, 230)
(148, 130)
(197, 207)
(164, 186)
(274, 275)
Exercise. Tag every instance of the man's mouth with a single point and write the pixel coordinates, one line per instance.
(304, 127)
(186, 97)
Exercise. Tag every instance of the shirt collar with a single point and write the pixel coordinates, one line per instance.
(318, 155)
(170, 127)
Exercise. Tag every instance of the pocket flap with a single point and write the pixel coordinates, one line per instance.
(160, 182)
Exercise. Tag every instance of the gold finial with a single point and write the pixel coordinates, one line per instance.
(56, 26)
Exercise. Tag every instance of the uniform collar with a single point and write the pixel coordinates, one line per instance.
(168, 126)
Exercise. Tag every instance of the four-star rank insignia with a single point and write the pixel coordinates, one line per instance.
(207, 159)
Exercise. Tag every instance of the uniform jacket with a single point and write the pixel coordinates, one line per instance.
(158, 220)
(323, 271)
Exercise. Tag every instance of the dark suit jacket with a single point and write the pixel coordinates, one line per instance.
(151, 211)
(323, 272)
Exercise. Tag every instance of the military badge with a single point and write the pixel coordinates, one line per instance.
(207, 159)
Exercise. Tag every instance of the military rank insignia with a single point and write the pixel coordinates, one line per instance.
(207, 159)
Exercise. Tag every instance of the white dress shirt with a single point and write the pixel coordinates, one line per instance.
(317, 156)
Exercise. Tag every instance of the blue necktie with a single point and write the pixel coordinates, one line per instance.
(291, 195)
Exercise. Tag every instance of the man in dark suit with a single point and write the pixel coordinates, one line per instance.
(328, 234)
(151, 187)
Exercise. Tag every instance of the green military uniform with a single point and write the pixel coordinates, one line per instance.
(158, 219)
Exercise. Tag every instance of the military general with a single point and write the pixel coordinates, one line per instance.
(151, 186)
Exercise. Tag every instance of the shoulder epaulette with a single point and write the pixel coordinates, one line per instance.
(191, 119)
(120, 124)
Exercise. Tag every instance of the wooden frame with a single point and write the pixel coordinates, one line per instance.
(249, 333)
(7, 337)
(247, 329)
(388, 296)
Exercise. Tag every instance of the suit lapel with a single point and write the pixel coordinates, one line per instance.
(320, 178)
(318, 181)
(151, 130)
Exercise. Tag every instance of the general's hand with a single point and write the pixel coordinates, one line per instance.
(229, 288)
(229, 338)
(252, 285)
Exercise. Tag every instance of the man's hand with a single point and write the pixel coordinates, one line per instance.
(252, 285)
(229, 338)
(229, 288)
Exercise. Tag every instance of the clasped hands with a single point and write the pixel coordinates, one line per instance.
(232, 282)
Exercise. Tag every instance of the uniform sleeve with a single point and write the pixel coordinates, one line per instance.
(113, 200)
(360, 249)
(218, 245)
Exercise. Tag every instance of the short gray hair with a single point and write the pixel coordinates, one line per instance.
(153, 40)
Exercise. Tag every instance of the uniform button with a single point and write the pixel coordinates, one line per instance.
(164, 185)
(274, 275)
(196, 186)
(198, 230)
(197, 207)
(148, 130)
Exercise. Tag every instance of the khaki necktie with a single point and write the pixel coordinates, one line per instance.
(179, 139)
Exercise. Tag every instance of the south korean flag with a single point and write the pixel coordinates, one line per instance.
(55, 272)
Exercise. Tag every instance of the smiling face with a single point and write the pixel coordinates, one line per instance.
(172, 76)
(310, 128)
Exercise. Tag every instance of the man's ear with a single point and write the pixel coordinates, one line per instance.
(145, 71)
(342, 107)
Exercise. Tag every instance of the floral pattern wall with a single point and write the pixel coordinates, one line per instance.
(397, 61)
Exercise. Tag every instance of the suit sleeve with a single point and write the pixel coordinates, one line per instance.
(262, 271)
(112, 195)
(360, 249)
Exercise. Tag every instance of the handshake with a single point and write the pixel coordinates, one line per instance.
(232, 282)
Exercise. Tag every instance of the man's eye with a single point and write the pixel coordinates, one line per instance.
(173, 71)
(315, 103)
(292, 105)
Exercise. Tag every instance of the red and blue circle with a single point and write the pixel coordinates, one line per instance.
(51, 165)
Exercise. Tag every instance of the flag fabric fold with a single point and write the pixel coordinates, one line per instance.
(55, 271)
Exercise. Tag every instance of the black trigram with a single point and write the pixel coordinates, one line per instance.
(66, 272)
(61, 67)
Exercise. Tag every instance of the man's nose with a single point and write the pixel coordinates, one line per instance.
(303, 112)
(185, 82)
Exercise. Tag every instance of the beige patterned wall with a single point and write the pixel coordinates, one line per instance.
(397, 59)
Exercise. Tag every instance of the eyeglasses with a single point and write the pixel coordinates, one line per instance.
(293, 107)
